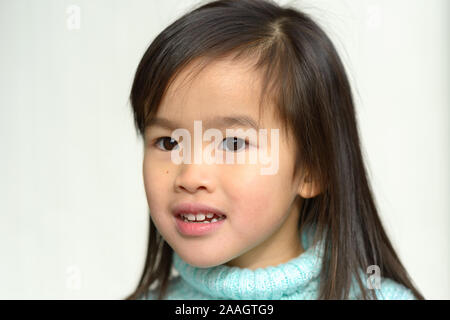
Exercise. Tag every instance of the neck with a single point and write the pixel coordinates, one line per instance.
(293, 279)
(282, 246)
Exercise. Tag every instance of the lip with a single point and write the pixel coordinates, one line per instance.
(192, 207)
(196, 228)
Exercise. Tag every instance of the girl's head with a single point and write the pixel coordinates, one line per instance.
(262, 211)
(252, 59)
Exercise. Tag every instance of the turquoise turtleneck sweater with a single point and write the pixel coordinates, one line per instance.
(296, 279)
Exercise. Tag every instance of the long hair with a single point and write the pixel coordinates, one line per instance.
(306, 79)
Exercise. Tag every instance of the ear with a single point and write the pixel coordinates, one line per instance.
(308, 188)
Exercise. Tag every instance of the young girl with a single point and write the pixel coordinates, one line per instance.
(308, 230)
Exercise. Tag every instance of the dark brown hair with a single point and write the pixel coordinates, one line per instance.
(307, 82)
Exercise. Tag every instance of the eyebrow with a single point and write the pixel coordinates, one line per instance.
(216, 122)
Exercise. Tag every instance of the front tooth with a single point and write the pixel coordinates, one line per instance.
(210, 215)
(200, 216)
(191, 217)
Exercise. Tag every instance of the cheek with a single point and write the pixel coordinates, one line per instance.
(259, 202)
(157, 185)
(254, 200)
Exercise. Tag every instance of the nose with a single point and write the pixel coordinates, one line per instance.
(194, 177)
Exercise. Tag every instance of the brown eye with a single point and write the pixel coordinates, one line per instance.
(234, 143)
(167, 143)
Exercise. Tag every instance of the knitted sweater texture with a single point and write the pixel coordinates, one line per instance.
(297, 279)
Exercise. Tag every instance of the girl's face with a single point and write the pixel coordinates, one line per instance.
(261, 211)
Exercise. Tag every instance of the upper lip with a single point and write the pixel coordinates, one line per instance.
(194, 208)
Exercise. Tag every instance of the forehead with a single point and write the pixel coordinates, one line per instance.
(221, 90)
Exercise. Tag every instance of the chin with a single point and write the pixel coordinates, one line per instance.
(202, 260)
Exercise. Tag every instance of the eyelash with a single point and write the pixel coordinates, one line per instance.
(156, 143)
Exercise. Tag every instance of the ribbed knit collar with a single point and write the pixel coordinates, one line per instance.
(273, 282)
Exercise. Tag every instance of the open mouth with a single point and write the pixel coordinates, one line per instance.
(200, 217)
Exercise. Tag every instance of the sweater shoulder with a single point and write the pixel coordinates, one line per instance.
(392, 290)
(177, 289)
(385, 289)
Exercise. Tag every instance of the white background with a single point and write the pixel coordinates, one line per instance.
(73, 212)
